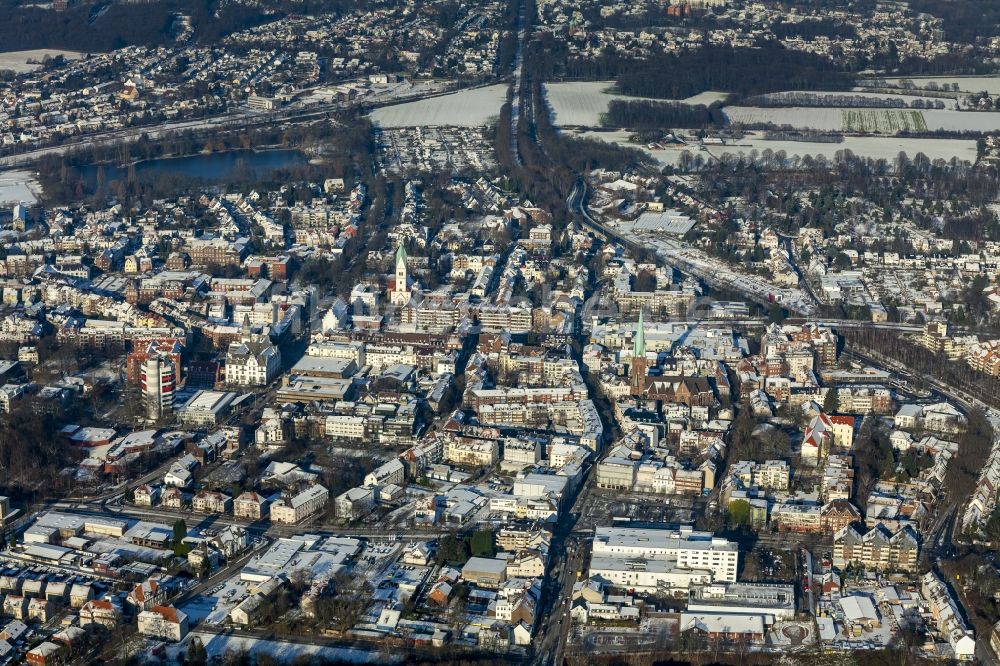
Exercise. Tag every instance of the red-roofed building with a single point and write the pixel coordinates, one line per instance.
(100, 612)
(147, 594)
(163, 622)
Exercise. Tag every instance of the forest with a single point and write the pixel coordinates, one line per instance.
(645, 114)
(744, 71)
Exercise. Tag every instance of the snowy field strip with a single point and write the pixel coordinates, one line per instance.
(875, 147)
(869, 120)
(285, 653)
(18, 60)
(467, 108)
(968, 84)
(581, 103)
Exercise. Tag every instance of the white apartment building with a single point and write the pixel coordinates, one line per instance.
(292, 509)
(392, 472)
(478, 452)
(343, 426)
(521, 451)
(163, 622)
(355, 503)
(252, 363)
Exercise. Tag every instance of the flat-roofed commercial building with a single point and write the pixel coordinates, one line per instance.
(777, 602)
(207, 408)
(651, 559)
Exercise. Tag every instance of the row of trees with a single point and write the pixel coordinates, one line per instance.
(840, 100)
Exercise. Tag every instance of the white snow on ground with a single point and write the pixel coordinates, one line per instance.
(218, 646)
(876, 147)
(990, 84)
(199, 608)
(18, 186)
(958, 121)
(467, 108)
(827, 119)
(706, 98)
(581, 103)
(18, 60)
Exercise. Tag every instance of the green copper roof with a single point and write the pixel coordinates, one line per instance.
(400, 255)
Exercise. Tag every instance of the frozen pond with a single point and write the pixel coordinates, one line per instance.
(18, 186)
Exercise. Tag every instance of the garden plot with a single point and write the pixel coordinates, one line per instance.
(469, 108)
(876, 121)
(883, 121)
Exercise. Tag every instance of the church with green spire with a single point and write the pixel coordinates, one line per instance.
(639, 345)
(639, 364)
(400, 292)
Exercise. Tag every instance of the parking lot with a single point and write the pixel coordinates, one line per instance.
(601, 506)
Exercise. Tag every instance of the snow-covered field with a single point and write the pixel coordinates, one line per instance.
(876, 147)
(18, 60)
(467, 108)
(990, 84)
(16, 186)
(826, 119)
(581, 103)
(285, 653)
(835, 119)
(706, 98)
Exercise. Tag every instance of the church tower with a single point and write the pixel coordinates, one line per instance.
(401, 290)
(638, 366)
